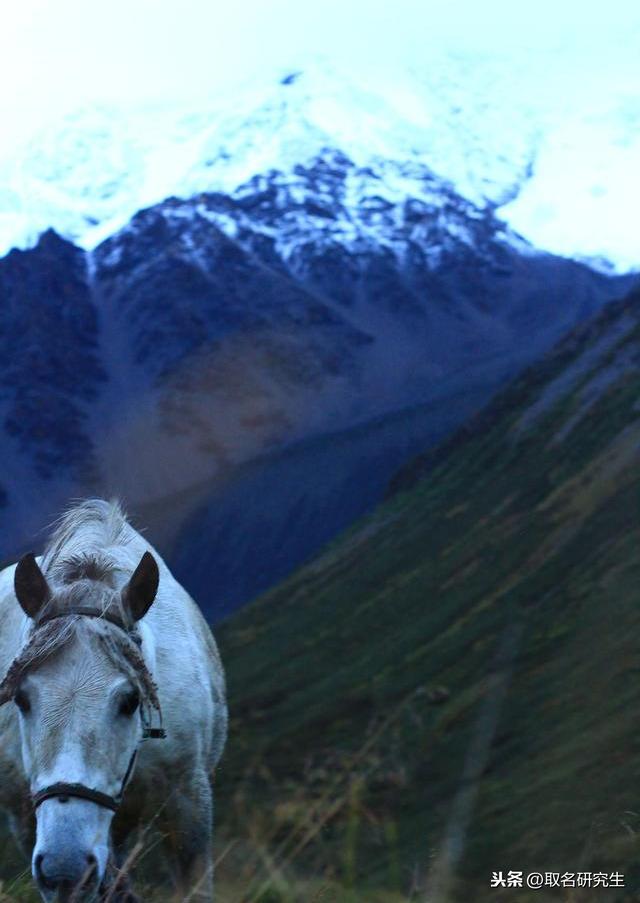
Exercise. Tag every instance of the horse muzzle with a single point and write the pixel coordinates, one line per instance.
(71, 850)
(66, 876)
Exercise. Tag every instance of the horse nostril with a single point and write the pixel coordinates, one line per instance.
(40, 875)
(54, 873)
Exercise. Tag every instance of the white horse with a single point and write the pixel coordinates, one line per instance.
(116, 714)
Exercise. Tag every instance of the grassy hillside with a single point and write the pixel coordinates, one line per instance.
(453, 687)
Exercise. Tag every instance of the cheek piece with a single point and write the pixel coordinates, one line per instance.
(62, 790)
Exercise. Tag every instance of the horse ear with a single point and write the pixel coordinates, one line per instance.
(140, 591)
(30, 585)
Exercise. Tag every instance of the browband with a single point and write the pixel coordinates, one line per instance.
(91, 613)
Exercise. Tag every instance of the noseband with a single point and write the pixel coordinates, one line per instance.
(62, 790)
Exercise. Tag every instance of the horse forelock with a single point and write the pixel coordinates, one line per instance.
(44, 642)
(85, 563)
(83, 592)
(54, 636)
(86, 541)
(90, 566)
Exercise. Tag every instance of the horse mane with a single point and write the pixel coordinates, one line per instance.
(84, 540)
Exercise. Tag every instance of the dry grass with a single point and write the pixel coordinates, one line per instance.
(268, 862)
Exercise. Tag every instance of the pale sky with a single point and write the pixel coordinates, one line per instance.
(62, 53)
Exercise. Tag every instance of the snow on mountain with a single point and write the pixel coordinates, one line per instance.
(214, 331)
(311, 257)
(583, 196)
(561, 179)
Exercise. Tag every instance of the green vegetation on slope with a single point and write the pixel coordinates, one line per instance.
(452, 688)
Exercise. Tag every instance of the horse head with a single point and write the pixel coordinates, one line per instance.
(83, 694)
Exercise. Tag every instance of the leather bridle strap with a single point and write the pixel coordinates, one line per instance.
(92, 613)
(62, 791)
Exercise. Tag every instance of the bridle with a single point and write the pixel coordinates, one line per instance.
(63, 790)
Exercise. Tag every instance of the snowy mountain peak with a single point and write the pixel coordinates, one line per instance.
(475, 124)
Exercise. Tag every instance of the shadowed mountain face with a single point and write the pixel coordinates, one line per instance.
(466, 656)
(50, 362)
(201, 362)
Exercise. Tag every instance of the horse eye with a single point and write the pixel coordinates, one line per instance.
(129, 703)
(22, 701)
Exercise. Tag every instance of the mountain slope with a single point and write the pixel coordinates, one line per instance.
(276, 511)
(449, 689)
(52, 373)
(447, 302)
(227, 329)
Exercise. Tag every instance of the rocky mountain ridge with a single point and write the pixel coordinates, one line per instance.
(222, 330)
